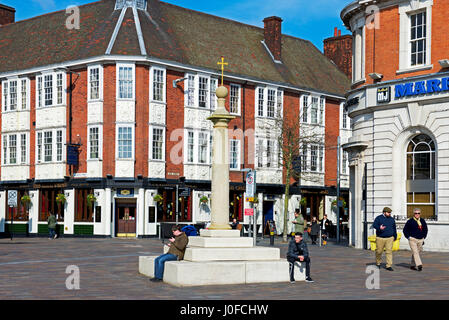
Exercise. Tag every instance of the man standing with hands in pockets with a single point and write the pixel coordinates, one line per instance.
(385, 236)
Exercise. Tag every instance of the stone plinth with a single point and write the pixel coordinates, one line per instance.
(186, 273)
(210, 242)
(196, 254)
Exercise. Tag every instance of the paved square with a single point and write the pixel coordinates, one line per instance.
(35, 268)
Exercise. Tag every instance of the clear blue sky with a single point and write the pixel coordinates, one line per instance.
(312, 20)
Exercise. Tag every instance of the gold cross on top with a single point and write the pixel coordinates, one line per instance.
(222, 63)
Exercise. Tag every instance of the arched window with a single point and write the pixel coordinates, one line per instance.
(421, 176)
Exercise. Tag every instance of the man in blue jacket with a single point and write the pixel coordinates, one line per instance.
(385, 236)
(297, 251)
(415, 230)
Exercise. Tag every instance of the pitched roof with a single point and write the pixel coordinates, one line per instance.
(171, 33)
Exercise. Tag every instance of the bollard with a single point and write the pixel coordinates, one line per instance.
(271, 238)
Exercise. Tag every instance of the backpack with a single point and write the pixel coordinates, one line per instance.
(190, 231)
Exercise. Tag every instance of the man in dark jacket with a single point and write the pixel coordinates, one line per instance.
(415, 230)
(52, 226)
(297, 251)
(385, 226)
(176, 252)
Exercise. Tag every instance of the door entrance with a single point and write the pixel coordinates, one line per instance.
(125, 215)
(268, 207)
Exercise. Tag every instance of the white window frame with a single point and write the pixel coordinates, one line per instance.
(238, 100)
(133, 80)
(207, 92)
(100, 83)
(261, 155)
(196, 147)
(54, 146)
(164, 84)
(322, 111)
(151, 135)
(133, 140)
(100, 142)
(213, 97)
(263, 91)
(406, 10)
(238, 154)
(40, 96)
(6, 94)
(305, 107)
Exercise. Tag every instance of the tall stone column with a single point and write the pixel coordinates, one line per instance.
(220, 164)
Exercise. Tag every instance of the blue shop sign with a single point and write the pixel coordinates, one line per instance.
(421, 87)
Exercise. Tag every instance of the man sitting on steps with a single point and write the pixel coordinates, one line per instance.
(176, 252)
(297, 251)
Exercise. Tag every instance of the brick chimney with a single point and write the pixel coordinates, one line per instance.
(7, 15)
(273, 36)
(339, 49)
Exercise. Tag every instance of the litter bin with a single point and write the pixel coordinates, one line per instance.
(372, 241)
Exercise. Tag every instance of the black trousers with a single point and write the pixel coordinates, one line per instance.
(313, 236)
(292, 267)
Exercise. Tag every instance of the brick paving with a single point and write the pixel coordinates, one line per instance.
(35, 268)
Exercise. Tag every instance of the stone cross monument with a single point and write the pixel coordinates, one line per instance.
(220, 164)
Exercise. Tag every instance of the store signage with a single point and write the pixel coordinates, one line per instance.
(125, 192)
(184, 192)
(249, 212)
(418, 88)
(12, 198)
(72, 154)
(251, 184)
(383, 95)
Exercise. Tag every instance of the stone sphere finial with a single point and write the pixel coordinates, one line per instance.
(221, 92)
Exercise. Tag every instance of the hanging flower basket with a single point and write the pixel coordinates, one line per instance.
(334, 203)
(158, 198)
(26, 200)
(91, 199)
(204, 200)
(60, 198)
(303, 202)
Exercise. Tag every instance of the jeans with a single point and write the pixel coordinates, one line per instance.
(292, 267)
(52, 232)
(159, 264)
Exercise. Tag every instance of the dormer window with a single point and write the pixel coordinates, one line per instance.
(138, 4)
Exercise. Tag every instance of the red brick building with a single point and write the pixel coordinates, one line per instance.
(398, 108)
(111, 116)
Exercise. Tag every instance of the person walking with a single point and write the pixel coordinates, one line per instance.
(386, 234)
(415, 230)
(52, 226)
(314, 230)
(298, 222)
(178, 244)
(298, 251)
(326, 226)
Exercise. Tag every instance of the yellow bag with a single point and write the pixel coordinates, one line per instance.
(372, 240)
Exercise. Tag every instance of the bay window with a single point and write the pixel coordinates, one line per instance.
(15, 94)
(50, 146)
(50, 89)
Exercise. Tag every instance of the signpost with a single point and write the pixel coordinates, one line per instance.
(250, 193)
(12, 203)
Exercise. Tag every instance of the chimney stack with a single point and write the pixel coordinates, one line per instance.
(273, 36)
(339, 49)
(7, 15)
